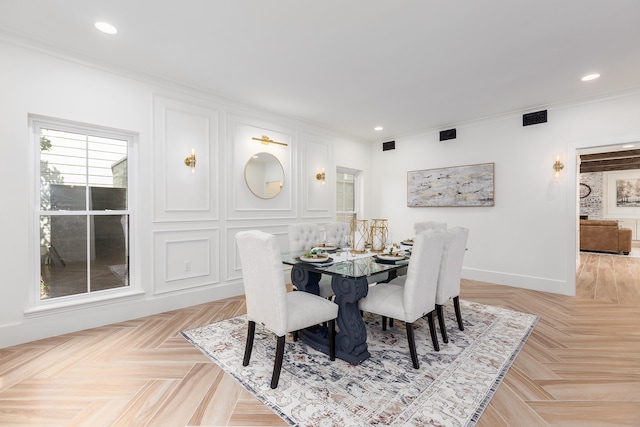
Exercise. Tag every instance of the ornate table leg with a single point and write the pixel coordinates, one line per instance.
(305, 280)
(351, 340)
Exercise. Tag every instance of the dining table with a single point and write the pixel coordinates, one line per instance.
(351, 274)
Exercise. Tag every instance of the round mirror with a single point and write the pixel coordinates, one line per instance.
(264, 175)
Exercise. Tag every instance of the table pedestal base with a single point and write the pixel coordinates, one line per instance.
(351, 337)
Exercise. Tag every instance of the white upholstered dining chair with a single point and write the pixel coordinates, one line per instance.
(428, 225)
(269, 303)
(304, 236)
(410, 297)
(338, 233)
(450, 273)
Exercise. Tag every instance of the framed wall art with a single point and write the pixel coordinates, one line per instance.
(621, 194)
(470, 185)
(628, 193)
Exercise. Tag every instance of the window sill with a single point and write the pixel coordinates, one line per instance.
(54, 307)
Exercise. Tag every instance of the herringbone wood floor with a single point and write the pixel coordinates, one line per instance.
(580, 367)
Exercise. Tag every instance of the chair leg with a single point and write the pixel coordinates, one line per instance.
(384, 323)
(277, 366)
(295, 335)
(443, 328)
(332, 339)
(456, 305)
(432, 330)
(412, 345)
(247, 349)
(391, 322)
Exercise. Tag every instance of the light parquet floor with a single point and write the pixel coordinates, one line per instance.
(580, 367)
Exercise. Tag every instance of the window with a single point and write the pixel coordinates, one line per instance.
(346, 207)
(83, 214)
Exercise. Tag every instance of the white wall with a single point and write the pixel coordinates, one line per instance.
(176, 214)
(528, 238)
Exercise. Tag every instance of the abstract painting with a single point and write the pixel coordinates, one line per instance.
(470, 185)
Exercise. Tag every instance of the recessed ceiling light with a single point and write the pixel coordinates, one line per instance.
(106, 28)
(589, 77)
(628, 146)
(378, 128)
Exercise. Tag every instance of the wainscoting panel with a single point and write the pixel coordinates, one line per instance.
(234, 267)
(317, 195)
(242, 203)
(186, 259)
(184, 193)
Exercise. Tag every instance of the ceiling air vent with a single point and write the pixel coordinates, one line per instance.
(386, 146)
(447, 134)
(534, 118)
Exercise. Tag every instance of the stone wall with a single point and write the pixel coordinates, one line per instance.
(592, 205)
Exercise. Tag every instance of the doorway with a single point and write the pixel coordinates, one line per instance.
(598, 173)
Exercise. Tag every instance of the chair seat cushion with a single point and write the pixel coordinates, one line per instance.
(325, 286)
(305, 309)
(385, 299)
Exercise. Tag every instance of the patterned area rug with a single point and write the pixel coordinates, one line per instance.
(451, 388)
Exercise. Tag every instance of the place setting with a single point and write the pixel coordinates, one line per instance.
(393, 254)
(319, 258)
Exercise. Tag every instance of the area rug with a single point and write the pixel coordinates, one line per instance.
(451, 388)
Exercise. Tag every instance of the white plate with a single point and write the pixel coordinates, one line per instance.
(387, 257)
(319, 260)
(327, 248)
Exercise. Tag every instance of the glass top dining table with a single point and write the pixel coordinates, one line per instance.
(345, 263)
(350, 276)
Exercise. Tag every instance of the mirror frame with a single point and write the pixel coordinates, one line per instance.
(270, 158)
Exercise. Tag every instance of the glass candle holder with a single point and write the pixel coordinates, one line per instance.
(379, 232)
(359, 235)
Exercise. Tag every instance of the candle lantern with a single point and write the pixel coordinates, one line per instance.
(359, 235)
(378, 235)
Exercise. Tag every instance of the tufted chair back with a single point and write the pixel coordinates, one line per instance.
(338, 233)
(428, 225)
(303, 236)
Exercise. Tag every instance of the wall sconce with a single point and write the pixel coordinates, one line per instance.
(191, 161)
(558, 166)
(266, 140)
(321, 176)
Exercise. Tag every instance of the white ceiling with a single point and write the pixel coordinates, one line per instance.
(350, 65)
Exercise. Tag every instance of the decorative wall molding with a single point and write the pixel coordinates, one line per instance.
(186, 258)
(180, 193)
(242, 203)
(234, 266)
(317, 197)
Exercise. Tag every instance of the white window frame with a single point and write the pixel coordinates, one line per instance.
(37, 306)
(356, 190)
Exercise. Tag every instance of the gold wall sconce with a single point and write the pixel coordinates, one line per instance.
(265, 140)
(190, 161)
(321, 176)
(558, 166)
